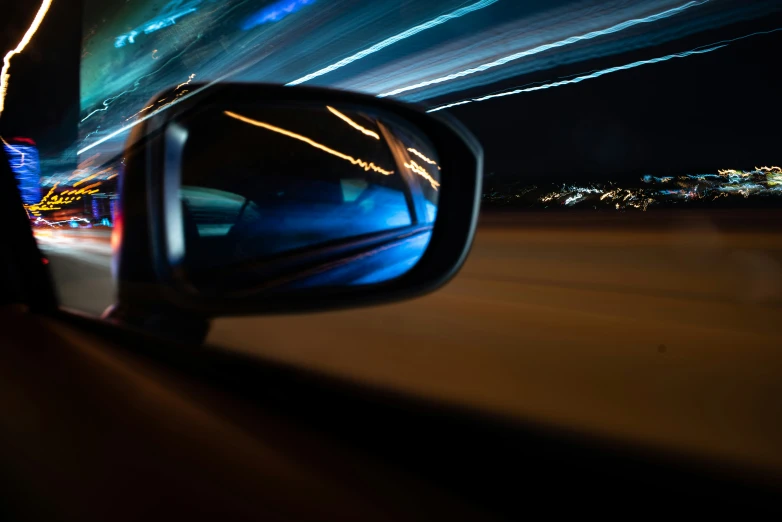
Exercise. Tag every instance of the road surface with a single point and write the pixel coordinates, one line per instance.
(667, 331)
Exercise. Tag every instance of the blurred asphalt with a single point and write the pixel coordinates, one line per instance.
(664, 328)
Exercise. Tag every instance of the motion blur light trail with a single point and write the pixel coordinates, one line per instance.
(418, 169)
(26, 166)
(578, 79)
(597, 74)
(352, 123)
(189, 79)
(542, 48)
(14, 151)
(126, 128)
(136, 84)
(423, 157)
(4, 74)
(361, 163)
(53, 201)
(394, 39)
(57, 224)
(171, 12)
(275, 12)
(375, 47)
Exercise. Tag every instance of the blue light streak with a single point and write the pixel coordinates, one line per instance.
(542, 48)
(394, 39)
(26, 167)
(168, 17)
(602, 72)
(275, 12)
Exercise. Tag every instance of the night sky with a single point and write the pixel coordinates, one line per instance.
(696, 114)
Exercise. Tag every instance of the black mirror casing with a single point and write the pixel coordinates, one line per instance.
(148, 280)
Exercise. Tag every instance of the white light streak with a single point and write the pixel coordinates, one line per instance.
(579, 79)
(542, 48)
(394, 39)
(596, 74)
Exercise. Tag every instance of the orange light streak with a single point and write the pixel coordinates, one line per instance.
(352, 123)
(430, 162)
(418, 169)
(361, 163)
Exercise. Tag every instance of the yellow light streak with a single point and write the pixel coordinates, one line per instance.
(89, 161)
(139, 112)
(352, 123)
(82, 190)
(361, 163)
(429, 161)
(418, 169)
(189, 79)
(52, 201)
(4, 74)
(92, 176)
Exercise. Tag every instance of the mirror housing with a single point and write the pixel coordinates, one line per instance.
(149, 278)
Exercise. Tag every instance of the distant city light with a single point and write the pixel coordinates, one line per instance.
(762, 182)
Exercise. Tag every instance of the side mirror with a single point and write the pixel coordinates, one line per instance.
(247, 199)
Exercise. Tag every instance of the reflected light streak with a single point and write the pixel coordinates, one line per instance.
(429, 161)
(542, 48)
(394, 39)
(4, 74)
(352, 123)
(363, 164)
(418, 169)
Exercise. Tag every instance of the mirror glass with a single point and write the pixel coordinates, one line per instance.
(300, 196)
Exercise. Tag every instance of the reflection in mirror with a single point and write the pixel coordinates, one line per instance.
(299, 196)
